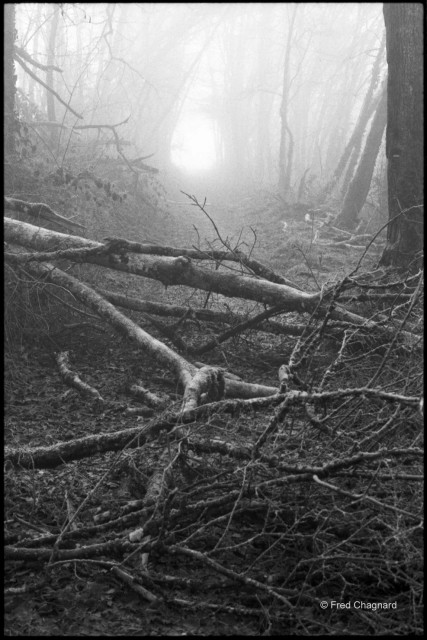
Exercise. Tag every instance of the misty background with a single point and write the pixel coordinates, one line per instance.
(231, 94)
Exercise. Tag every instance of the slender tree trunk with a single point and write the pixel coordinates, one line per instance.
(235, 123)
(359, 186)
(264, 101)
(353, 146)
(357, 143)
(285, 156)
(33, 87)
(50, 100)
(316, 147)
(405, 133)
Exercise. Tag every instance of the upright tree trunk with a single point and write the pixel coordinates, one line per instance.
(235, 121)
(353, 146)
(359, 186)
(263, 99)
(33, 87)
(337, 122)
(316, 147)
(285, 153)
(9, 81)
(357, 143)
(405, 133)
(102, 62)
(50, 100)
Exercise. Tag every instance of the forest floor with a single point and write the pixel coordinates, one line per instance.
(302, 539)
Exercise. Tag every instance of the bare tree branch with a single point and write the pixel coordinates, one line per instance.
(46, 86)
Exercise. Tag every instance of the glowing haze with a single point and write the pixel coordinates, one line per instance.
(193, 144)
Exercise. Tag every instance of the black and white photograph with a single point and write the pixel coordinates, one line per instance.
(213, 318)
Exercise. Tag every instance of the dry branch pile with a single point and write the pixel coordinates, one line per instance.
(255, 500)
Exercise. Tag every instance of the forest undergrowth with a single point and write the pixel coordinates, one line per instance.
(298, 513)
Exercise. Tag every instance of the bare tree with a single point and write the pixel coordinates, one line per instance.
(359, 186)
(51, 114)
(405, 132)
(352, 148)
(286, 139)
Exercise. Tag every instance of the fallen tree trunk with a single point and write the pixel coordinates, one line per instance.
(181, 271)
(208, 315)
(199, 254)
(176, 271)
(169, 271)
(194, 383)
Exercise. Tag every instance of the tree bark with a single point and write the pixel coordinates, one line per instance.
(169, 271)
(174, 271)
(405, 134)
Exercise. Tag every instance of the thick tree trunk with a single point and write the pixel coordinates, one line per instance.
(172, 271)
(405, 133)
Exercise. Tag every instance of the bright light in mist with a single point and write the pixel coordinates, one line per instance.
(193, 144)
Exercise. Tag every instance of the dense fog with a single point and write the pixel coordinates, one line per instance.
(239, 93)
